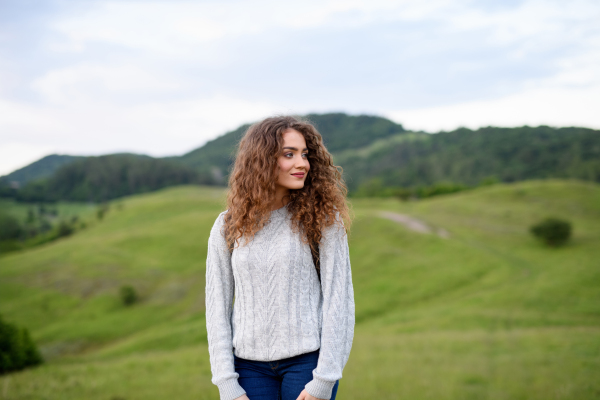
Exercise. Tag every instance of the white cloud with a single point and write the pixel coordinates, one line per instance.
(88, 127)
(16, 117)
(545, 106)
(85, 81)
(163, 77)
(176, 27)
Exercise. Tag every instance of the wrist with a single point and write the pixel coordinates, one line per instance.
(230, 389)
(320, 388)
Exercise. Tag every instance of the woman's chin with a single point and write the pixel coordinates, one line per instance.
(296, 185)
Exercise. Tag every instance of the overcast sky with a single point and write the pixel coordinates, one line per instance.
(163, 77)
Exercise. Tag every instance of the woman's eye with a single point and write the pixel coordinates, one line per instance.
(292, 154)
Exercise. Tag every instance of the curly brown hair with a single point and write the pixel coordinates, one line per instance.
(255, 173)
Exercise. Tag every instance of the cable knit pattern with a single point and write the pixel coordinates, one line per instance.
(281, 309)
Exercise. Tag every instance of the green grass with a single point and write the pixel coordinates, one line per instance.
(44, 228)
(65, 209)
(489, 313)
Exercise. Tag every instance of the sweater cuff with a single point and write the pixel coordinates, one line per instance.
(319, 388)
(230, 389)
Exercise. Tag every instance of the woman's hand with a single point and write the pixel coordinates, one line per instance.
(242, 397)
(305, 396)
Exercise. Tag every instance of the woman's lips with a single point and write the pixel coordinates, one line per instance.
(299, 175)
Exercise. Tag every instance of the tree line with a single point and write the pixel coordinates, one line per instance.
(378, 157)
(468, 157)
(102, 178)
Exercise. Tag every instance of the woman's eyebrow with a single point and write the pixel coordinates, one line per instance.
(293, 148)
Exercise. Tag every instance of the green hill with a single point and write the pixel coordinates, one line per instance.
(486, 312)
(378, 156)
(116, 175)
(467, 157)
(340, 132)
(373, 149)
(108, 177)
(42, 168)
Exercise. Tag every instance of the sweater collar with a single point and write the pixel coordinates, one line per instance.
(280, 212)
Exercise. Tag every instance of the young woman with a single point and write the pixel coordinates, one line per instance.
(281, 249)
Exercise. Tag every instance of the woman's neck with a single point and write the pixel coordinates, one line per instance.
(282, 199)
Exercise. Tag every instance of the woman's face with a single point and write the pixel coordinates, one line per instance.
(292, 161)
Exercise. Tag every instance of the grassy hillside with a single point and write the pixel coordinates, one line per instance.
(64, 209)
(488, 313)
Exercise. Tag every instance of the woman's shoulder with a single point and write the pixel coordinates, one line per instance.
(222, 214)
(337, 217)
(334, 225)
(219, 222)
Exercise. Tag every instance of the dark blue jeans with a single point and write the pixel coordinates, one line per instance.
(277, 380)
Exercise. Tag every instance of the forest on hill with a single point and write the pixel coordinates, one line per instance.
(467, 157)
(42, 168)
(340, 132)
(376, 154)
(103, 178)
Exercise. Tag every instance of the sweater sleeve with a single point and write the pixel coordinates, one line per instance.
(338, 310)
(219, 308)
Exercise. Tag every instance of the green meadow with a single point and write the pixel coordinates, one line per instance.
(486, 312)
(64, 209)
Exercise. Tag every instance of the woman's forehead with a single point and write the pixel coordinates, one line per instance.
(293, 138)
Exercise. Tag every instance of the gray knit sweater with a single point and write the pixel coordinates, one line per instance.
(281, 309)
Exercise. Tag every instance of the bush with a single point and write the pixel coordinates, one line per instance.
(102, 210)
(10, 245)
(377, 188)
(128, 295)
(45, 226)
(64, 229)
(30, 216)
(490, 180)
(404, 194)
(553, 231)
(9, 227)
(439, 188)
(17, 350)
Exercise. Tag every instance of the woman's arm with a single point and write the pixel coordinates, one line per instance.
(219, 307)
(338, 310)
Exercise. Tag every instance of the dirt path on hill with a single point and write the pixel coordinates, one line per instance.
(414, 224)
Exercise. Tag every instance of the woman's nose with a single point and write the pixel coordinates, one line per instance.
(301, 163)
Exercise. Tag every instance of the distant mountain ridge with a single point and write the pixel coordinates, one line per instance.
(102, 178)
(340, 131)
(467, 157)
(41, 168)
(375, 152)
